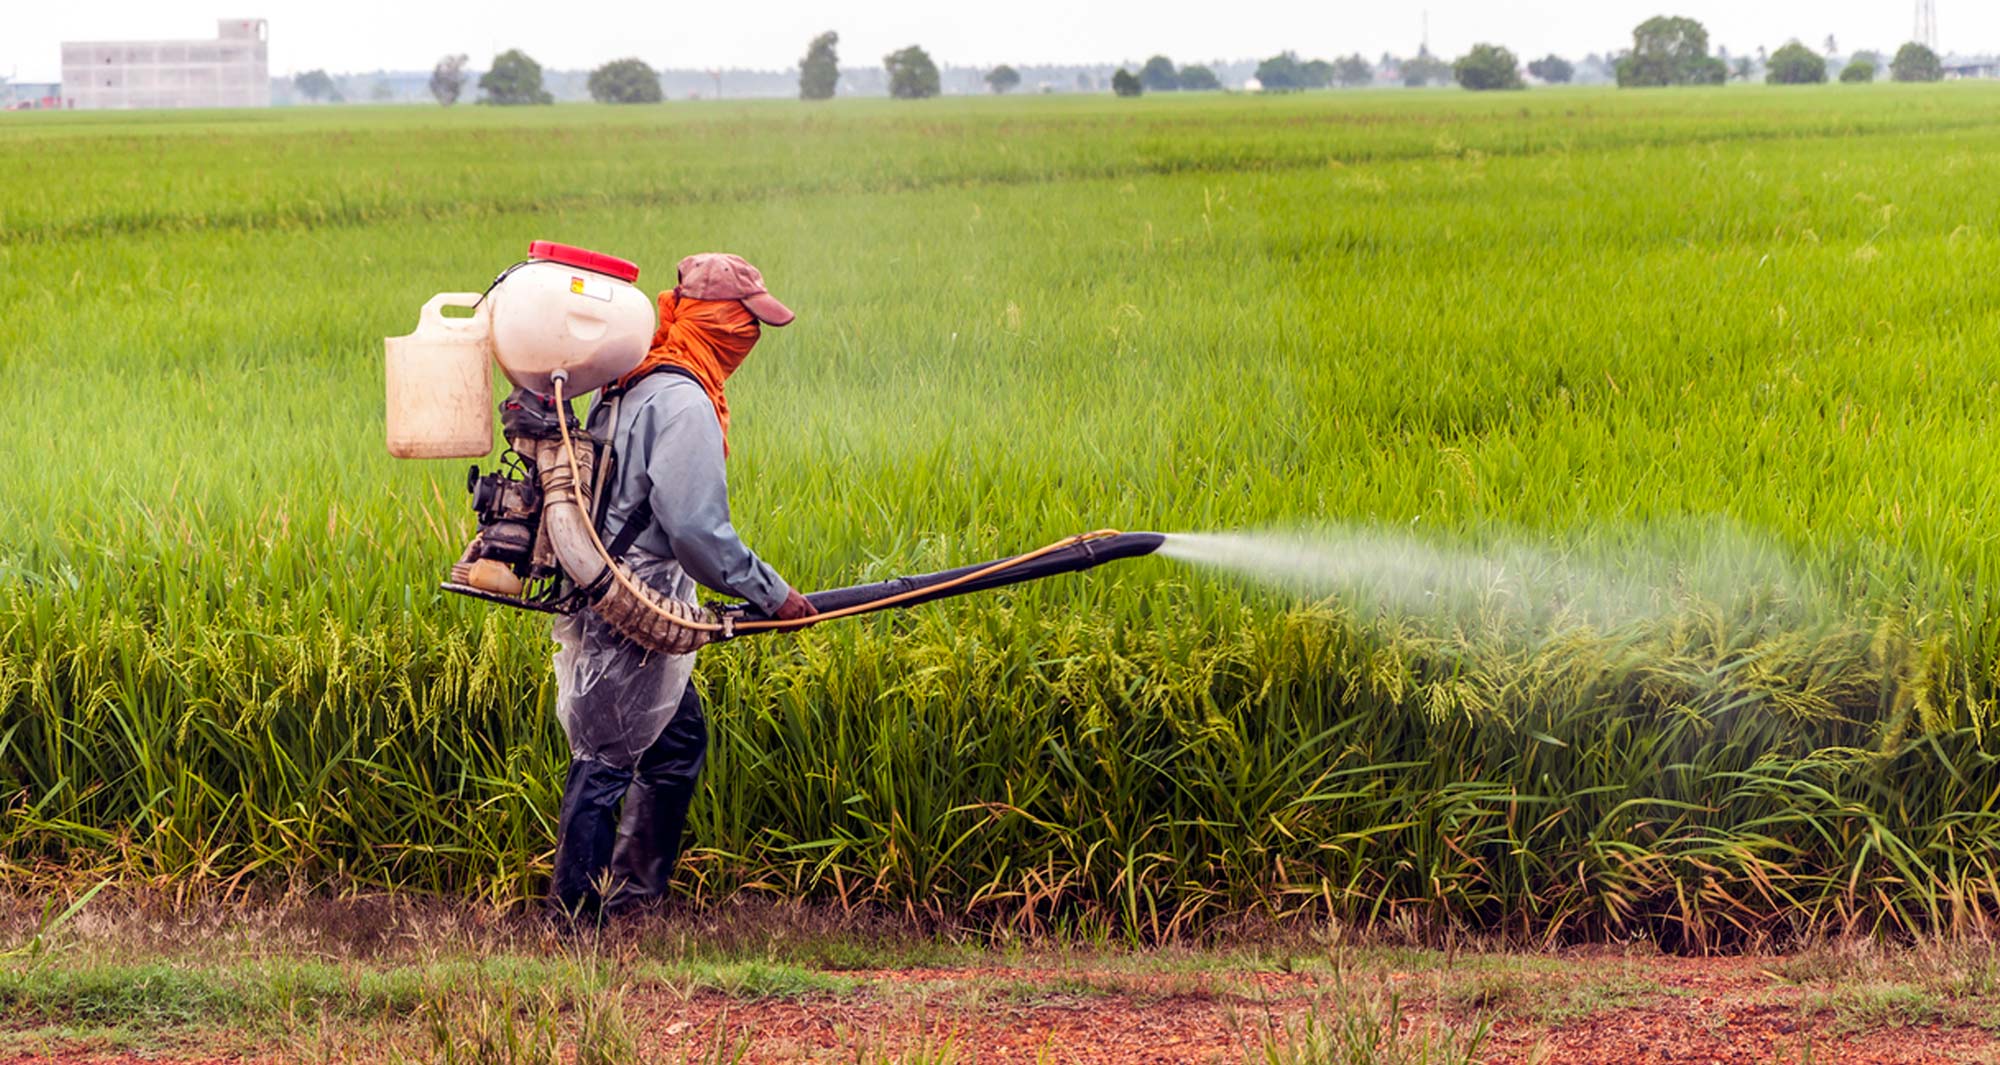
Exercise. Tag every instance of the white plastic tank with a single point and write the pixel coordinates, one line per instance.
(569, 309)
(441, 384)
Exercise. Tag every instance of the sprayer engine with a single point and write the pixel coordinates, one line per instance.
(508, 560)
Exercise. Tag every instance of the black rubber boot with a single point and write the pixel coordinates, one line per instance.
(586, 830)
(656, 807)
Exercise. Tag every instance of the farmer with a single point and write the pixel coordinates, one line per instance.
(634, 721)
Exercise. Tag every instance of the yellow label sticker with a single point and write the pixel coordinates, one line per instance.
(597, 288)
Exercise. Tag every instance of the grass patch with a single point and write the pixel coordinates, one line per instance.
(1369, 1028)
(754, 979)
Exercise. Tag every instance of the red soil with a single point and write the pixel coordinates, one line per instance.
(1704, 1010)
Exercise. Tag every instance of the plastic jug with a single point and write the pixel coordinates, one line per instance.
(440, 384)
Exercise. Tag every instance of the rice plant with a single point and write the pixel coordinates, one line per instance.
(1568, 321)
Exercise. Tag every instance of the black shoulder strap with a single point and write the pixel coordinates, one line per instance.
(629, 533)
(635, 525)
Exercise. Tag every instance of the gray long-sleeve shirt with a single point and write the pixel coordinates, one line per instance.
(668, 450)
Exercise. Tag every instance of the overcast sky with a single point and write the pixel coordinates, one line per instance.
(364, 35)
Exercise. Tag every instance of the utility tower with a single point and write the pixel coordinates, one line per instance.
(1927, 24)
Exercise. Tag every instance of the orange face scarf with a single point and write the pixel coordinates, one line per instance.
(708, 338)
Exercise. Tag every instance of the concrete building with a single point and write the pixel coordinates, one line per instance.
(233, 70)
(1981, 67)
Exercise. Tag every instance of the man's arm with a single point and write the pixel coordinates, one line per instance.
(690, 500)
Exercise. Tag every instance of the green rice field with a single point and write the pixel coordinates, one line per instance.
(1584, 322)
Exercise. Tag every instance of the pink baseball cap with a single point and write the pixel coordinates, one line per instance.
(715, 275)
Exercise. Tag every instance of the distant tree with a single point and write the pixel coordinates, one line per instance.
(448, 79)
(1915, 62)
(819, 71)
(1832, 45)
(1553, 69)
(1858, 71)
(1488, 67)
(316, 85)
(1670, 51)
(1354, 72)
(1795, 64)
(625, 81)
(1281, 73)
(515, 79)
(381, 92)
(1199, 79)
(912, 75)
(1159, 75)
(1126, 83)
(1002, 78)
(1084, 83)
(1746, 68)
(1317, 73)
(1425, 69)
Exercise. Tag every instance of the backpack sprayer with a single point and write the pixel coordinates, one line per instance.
(559, 324)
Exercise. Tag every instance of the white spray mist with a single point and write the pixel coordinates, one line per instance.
(1514, 587)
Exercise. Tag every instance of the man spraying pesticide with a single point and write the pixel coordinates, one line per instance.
(611, 524)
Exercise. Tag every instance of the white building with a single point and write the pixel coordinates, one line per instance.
(233, 70)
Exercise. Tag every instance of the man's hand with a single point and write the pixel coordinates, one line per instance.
(796, 606)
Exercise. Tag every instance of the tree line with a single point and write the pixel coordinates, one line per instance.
(1666, 50)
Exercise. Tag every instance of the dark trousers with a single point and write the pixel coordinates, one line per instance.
(638, 846)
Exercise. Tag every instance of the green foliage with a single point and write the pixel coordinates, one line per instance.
(223, 653)
(819, 71)
(1553, 69)
(1915, 62)
(1795, 64)
(1488, 67)
(912, 74)
(1002, 79)
(1425, 69)
(448, 79)
(514, 80)
(1159, 75)
(1281, 73)
(1316, 73)
(316, 85)
(1354, 71)
(1858, 71)
(1125, 83)
(1670, 51)
(1199, 79)
(625, 81)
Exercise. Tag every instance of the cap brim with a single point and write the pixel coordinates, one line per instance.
(768, 310)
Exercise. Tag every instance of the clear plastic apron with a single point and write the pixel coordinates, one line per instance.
(613, 697)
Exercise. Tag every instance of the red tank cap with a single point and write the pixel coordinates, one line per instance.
(584, 259)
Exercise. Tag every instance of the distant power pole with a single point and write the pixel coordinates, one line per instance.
(717, 75)
(1927, 34)
(1425, 47)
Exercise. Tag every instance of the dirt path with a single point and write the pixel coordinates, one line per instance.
(1680, 1010)
(1582, 1009)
